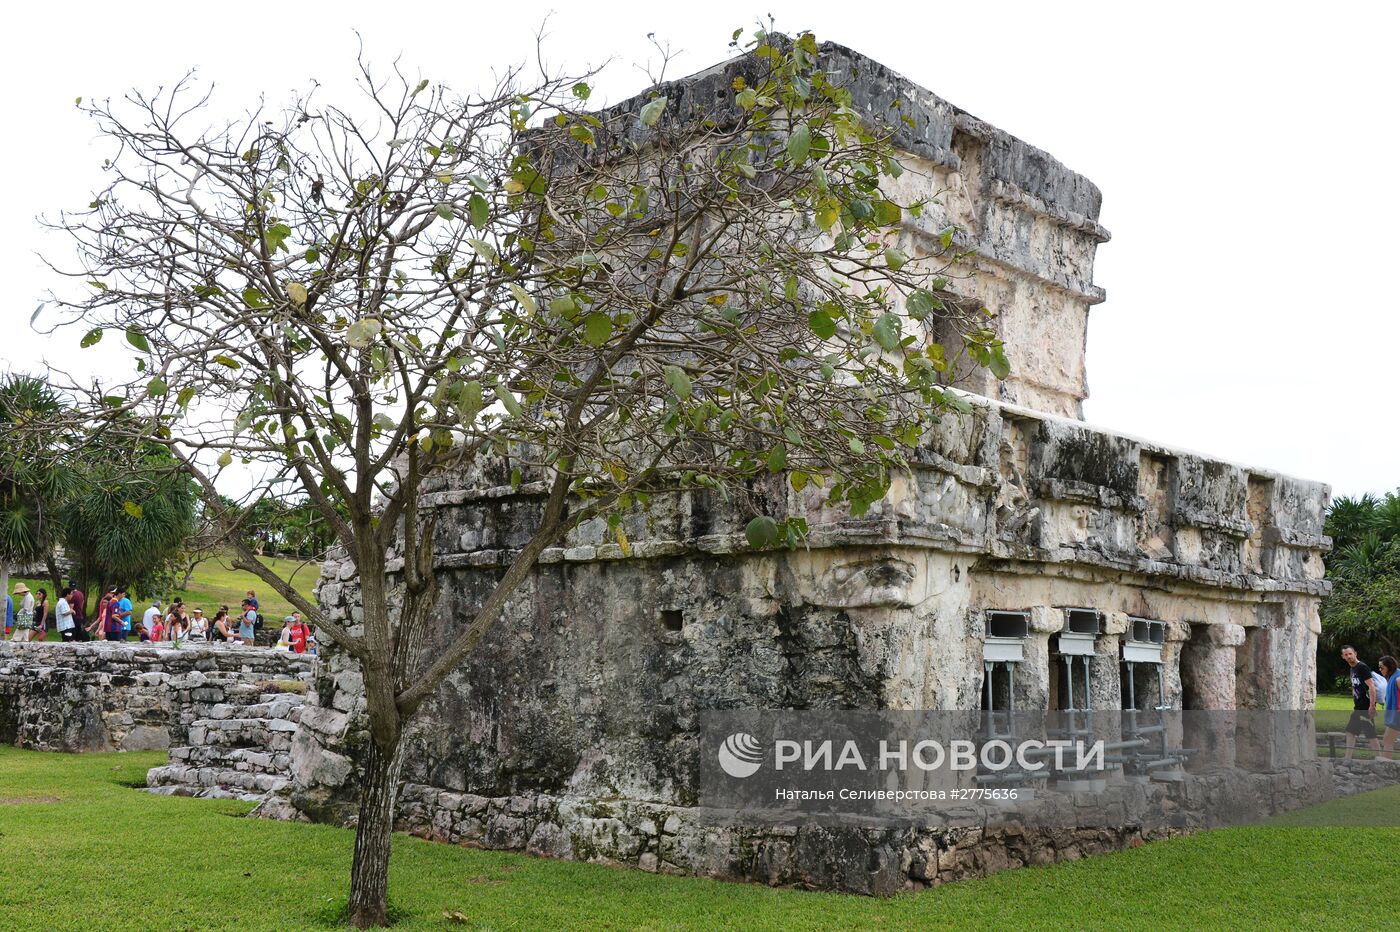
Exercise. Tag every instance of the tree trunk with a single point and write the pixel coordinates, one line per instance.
(369, 874)
(54, 577)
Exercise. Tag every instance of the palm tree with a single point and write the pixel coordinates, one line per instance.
(33, 483)
(1349, 519)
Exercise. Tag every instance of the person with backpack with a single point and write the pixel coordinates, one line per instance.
(1380, 679)
(24, 614)
(1363, 694)
(247, 620)
(1392, 706)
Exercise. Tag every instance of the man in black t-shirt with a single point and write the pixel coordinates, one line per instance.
(1363, 701)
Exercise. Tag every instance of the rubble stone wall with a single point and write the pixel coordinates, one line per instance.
(871, 856)
(128, 697)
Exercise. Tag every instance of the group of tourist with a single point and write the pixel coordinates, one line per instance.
(1369, 689)
(27, 615)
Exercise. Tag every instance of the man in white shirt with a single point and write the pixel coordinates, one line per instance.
(152, 615)
(63, 615)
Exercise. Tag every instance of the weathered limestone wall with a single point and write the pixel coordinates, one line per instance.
(1029, 223)
(111, 697)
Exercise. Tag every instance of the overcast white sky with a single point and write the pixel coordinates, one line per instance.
(1247, 157)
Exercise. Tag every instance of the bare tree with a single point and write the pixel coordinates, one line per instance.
(665, 295)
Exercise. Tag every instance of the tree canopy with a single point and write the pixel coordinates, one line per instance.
(604, 304)
(1364, 568)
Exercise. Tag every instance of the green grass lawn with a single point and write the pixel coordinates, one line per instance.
(82, 850)
(214, 583)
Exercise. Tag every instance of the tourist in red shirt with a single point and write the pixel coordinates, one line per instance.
(298, 633)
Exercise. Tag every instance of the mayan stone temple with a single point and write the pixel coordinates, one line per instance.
(1031, 572)
(1030, 562)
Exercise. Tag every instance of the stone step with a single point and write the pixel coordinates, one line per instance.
(268, 734)
(175, 774)
(269, 706)
(247, 760)
(239, 691)
(197, 780)
(204, 792)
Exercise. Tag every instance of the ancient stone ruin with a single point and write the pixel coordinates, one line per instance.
(1029, 562)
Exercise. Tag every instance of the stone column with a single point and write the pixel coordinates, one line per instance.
(1208, 677)
(1208, 666)
(1033, 673)
(1106, 693)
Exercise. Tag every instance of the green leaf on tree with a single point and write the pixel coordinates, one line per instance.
(777, 457)
(921, 303)
(480, 211)
(507, 397)
(761, 532)
(822, 324)
(565, 305)
(483, 249)
(999, 364)
(276, 236)
(156, 388)
(799, 144)
(527, 301)
(138, 339)
(361, 333)
(887, 331)
(469, 400)
(132, 509)
(90, 338)
(651, 113)
(679, 381)
(597, 328)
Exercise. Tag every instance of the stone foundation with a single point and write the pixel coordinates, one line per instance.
(867, 856)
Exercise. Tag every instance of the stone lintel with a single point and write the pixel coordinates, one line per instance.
(1296, 540)
(1213, 521)
(1073, 490)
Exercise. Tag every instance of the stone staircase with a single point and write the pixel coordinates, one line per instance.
(241, 750)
